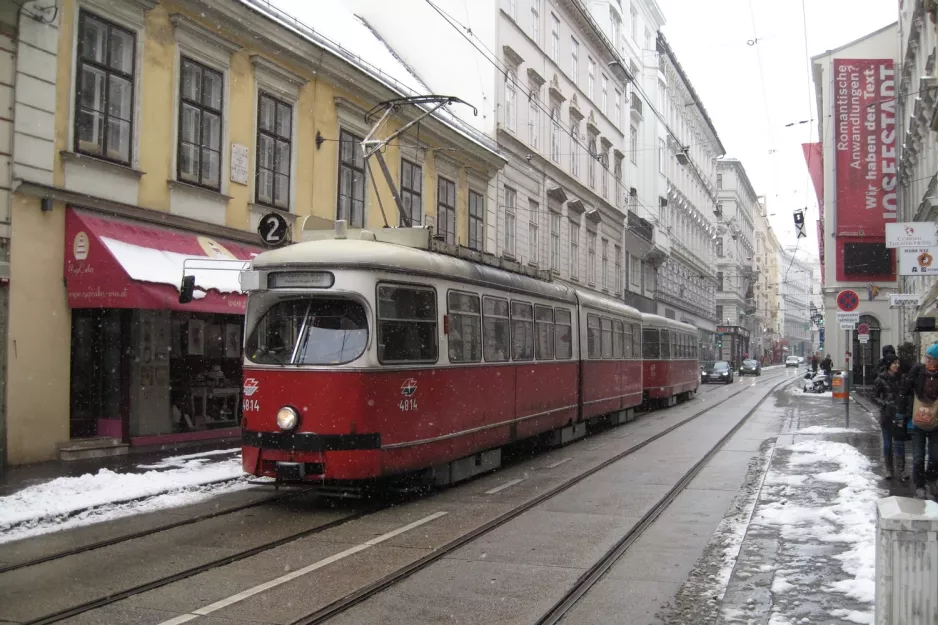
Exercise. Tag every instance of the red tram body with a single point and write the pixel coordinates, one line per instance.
(367, 358)
(670, 365)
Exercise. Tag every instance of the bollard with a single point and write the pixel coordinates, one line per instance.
(906, 555)
(841, 390)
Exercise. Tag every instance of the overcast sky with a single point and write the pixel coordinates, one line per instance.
(714, 47)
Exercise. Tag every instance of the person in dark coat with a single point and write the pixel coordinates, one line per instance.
(921, 384)
(827, 365)
(814, 363)
(886, 389)
(888, 350)
(906, 353)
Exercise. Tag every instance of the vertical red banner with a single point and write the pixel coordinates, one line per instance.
(864, 109)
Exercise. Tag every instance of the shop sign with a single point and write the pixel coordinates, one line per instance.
(918, 261)
(900, 300)
(912, 234)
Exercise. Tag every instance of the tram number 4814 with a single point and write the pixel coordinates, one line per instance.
(250, 405)
(407, 405)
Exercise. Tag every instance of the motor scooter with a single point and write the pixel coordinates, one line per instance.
(817, 383)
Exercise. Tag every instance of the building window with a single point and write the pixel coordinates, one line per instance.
(649, 45)
(633, 14)
(635, 272)
(476, 220)
(616, 30)
(719, 181)
(604, 173)
(274, 149)
(446, 209)
(104, 89)
(554, 38)
(591, 78)
(719, 247)
(633, 144)
(661, 156)
(200, 115)
(412, 192)
(555, 242)
(351, 205)
(719, 313)
(575, 61)
(719, 281)
(591, 258)
(511, 105)
(513, 9)
(604, 85)
(618, 269)
(536, 20)
(555, 135)
(617, 173)
(591, 163)
(510, 197)
(605, 264)
(533, 234)
(534, 119)
(617, 113)
(649, 277)
(574, 150)
(574, 251)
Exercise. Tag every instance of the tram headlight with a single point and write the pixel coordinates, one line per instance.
(287, 418)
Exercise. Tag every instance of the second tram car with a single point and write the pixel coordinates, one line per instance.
(671, 369)
(367, 358)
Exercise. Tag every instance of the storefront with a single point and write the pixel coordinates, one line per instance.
(735, 344)
(144, 368)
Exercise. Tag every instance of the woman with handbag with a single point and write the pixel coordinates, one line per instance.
(918, 401)
(886, 390)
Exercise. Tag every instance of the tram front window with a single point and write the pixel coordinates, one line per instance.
(318, 331)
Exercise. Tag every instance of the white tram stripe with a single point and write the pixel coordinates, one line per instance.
(504, 486)
(250, 592)
(558, 463)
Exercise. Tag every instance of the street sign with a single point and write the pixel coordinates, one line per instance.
(847, 325)
(273, 229)
(863, 328)
(848, 300)
(864, 338)
(851, 317)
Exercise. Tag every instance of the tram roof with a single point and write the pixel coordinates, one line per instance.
(389, 257)
(594, 300)
(657, 321)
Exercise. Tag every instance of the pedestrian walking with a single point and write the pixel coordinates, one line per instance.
(918, 403)
(906, 353)
(888, 350)
(814, 364)
(827, 365)
(886, 390)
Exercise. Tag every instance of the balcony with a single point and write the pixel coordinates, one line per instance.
(641, 227)
(637, 107)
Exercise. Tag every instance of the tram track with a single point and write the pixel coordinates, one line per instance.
(342, 604)
(583, 584)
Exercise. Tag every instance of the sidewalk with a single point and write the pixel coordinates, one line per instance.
(54, 496)
(798, 546)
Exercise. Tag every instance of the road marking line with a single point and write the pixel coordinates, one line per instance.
(250, 592)
(595, 447)
(504, 486)
(558, 463)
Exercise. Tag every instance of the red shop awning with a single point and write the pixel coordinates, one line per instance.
(115, 263)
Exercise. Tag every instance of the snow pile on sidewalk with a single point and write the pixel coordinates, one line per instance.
(91, 498)
(794, 504)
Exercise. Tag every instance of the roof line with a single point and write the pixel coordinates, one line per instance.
(855, 41)
(663, 42)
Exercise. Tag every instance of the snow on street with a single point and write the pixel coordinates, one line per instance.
(68, 502)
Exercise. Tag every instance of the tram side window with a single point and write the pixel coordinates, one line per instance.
(636, 340)
(522, 331)
(496, 324)
(681, 344)
(465, 327)
(665, 345)
(406, 324)
(563, 332)
(593, 337)
(617, 335)
(627, 341)
(606, 325)
(650, 346)
(544, 325)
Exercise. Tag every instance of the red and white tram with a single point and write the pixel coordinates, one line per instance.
(366, 359)
(671, 370)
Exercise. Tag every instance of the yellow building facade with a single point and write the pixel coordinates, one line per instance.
(156, 130)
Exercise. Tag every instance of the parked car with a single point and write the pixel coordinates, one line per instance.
(792, 361)
(719, 372)
(750, 367)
